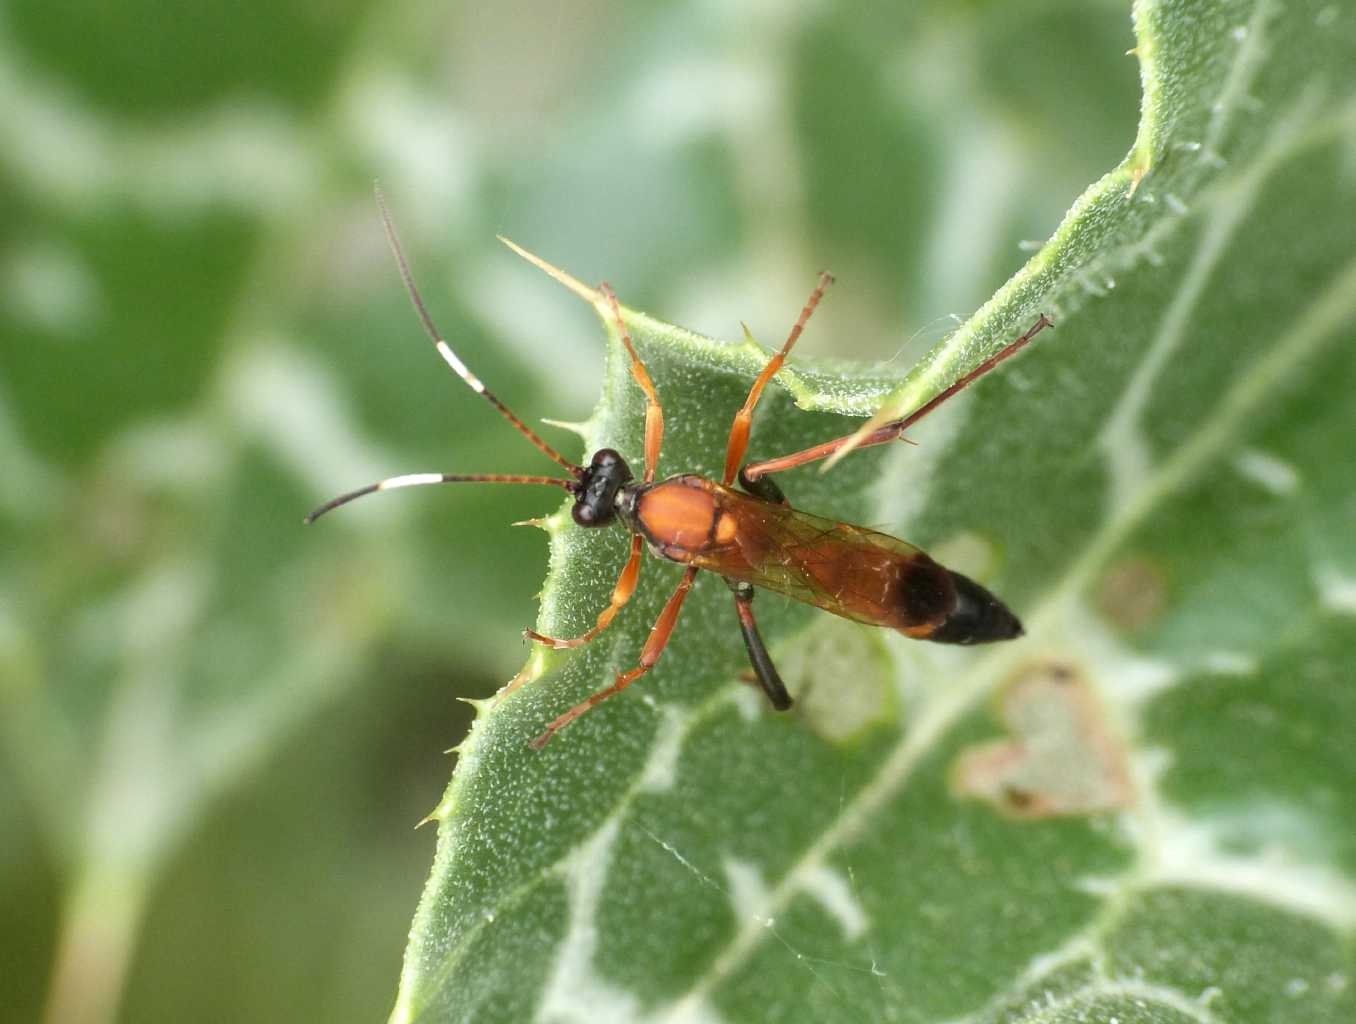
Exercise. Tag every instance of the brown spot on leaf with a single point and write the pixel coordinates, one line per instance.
(969, 553)
(1132, 594)
(1018, 799)
(1061, 757)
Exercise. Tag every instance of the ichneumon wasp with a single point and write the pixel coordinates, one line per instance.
(750, 536)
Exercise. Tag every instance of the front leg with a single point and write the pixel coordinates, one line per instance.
(621, 593)
(649, 655)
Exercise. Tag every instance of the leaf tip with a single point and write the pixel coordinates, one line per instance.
(571, 282)
(582, 429)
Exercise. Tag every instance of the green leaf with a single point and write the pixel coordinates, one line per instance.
(1141, 811)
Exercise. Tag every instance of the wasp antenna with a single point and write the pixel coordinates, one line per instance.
(445, 350)
(420, 479)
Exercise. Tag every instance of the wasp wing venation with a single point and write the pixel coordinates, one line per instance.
(851, 571)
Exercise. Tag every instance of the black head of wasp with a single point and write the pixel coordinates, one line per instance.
(750, 535)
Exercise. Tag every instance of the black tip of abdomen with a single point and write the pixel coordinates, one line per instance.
(978, 617)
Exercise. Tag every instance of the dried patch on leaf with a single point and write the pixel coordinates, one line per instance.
(839, 675)
(1132, 594)
(969, 553)
(1062, 757)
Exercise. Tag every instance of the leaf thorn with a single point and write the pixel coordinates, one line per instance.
(432, 815)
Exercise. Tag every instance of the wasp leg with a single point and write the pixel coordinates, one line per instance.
(888, 432)
(654, 412)
(738, 443)
(621, 593)
(763, 669)
(654, 647)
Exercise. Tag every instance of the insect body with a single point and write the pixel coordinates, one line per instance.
(752, 537)
(852, 571)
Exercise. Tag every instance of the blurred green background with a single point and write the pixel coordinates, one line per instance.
(218, 728)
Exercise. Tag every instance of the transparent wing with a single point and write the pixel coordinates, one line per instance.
(848, 570)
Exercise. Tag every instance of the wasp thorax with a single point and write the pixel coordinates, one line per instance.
(595, 502)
